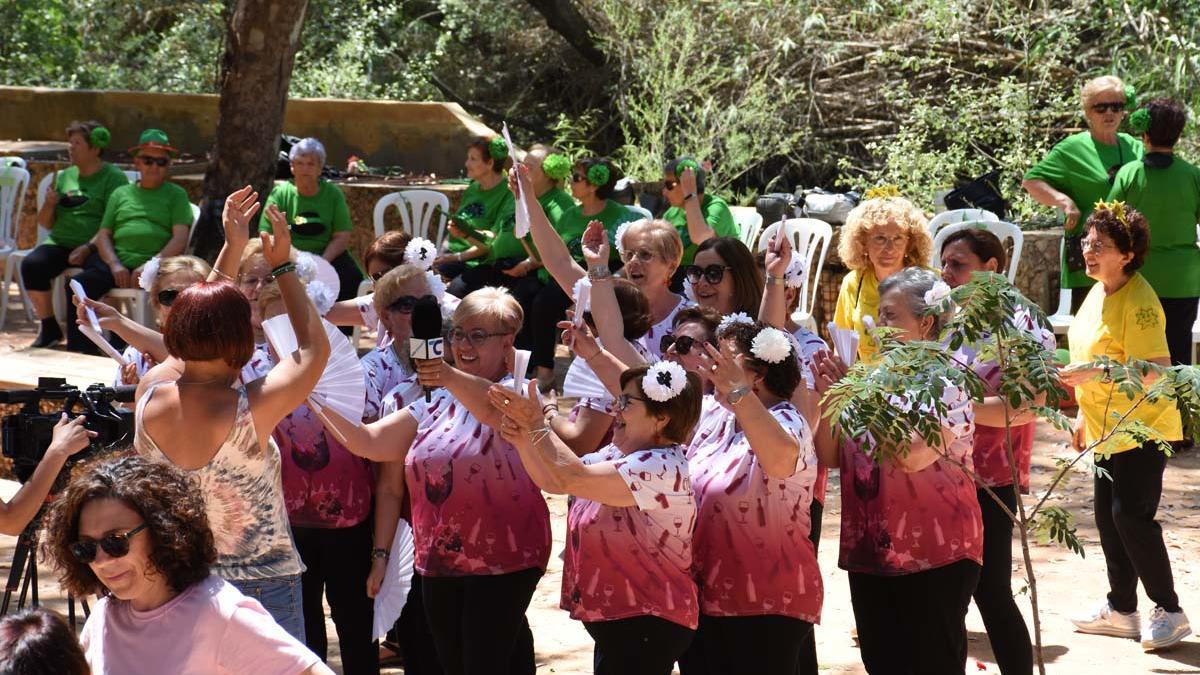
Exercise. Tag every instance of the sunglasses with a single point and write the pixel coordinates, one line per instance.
(713, 274)
(473, 338)
(670, 184)
(623, 400)
(405, 303)
(153, 161)
(167, 296)
(683, 344)
(1109, 107)
(115, 544)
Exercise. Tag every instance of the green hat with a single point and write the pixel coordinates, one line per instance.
(153, 139)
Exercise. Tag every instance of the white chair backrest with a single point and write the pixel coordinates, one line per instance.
(807, 236)
(133, 176)
(423, 213)
(192, 232)
(13, 183)
(999, 228)
(1064, 294)
(640, 210)
(13, 160)
(43, 188)
(749, 222)
(958, 216)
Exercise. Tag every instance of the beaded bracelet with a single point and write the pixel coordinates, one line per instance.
(283, 269)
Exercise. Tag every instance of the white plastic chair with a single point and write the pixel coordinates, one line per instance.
(14, 181)
(749, 222)
(15, 259)
(138, 300)
(806, 235)
(640, 210)
(1061, 319)
(364, 287)
(417, 210)
(959, 216)
(14, 161)
(1001, 229)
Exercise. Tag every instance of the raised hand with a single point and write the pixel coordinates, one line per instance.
(578, 338)
(722, 368)
(595, 245)
(240, 207)
(107, 315)
(778, 254)
(518, 179)
(70, 436)
(277, 245)
(687, 180)
(826, 370)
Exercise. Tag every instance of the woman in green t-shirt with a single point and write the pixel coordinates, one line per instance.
(486, 205)
(697, 215)
(1166, 190)
(1079, 171)
(317, 214)
(72, 212)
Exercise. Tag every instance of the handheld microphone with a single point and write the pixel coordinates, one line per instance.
(426, 341)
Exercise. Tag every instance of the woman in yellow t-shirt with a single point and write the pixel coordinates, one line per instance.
(881, 236)
(1121, 318)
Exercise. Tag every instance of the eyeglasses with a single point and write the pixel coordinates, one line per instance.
(885, 242)
(670, 184)
(405, 303)
(683, 344)
(1094, 245)
(643, 255)
(167, 296)
(623, 400)
(153, 161)
(115, 544)
(473, 338)
(713, 274)
(1109, 107)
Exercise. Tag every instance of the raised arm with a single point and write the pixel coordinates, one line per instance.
(469, 390)
(292, 380)
(69, 437)
(773, 309)
(143, 338)
(551, 248)
(389, 499)
(385, 440)
(236, 219)
(698, 228)
(606, 312)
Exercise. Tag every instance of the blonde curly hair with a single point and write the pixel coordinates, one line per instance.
(852, 244)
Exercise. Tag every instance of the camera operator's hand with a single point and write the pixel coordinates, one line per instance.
(69, 437)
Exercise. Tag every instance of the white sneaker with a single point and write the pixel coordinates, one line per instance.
(1107, 621)
(1164, 629)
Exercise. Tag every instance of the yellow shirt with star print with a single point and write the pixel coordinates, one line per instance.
(1128, 324)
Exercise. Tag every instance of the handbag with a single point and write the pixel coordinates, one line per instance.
(831, 207)
(979, 193)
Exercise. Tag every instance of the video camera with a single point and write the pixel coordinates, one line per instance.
(26, 434)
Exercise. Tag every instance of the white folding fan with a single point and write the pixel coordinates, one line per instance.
(845, 343)
(582, 382)
(397, 581)
(341, 387)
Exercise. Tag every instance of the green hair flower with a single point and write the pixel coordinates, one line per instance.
(1139, 121)
(99, 138)
(556, 166)
(1130, 97)
(498, 149)
(687, 164)
(598, 175)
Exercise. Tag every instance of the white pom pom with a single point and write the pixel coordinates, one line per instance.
(771, 345)
(321, 295)
(420, 252)
(939, 292)
(306, 266)
(664, 381)
(619, 238)
(149, 273)
(729, 320)
(577, 290)
(437, 287)
(796, 273)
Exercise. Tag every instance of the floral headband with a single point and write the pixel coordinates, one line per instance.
(771, 345)
(1115, 207)
(99, 138)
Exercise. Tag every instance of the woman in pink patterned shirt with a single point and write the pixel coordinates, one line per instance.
(912, 536)
(628, 561)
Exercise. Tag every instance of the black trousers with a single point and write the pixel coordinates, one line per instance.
(478, 622)
(807, 664)
(639, 645)
(1130, 536)
(338, 562)
(914, 624)
(349, 275)
(42, 265)
(748, 644)
(1181, 314)
(1005, 626)
(549, 307)
(97, 281)
(413, 636)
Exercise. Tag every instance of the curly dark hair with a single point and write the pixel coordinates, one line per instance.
(1131, 235)
(168, 500)
(1167, 119)
(781, 379)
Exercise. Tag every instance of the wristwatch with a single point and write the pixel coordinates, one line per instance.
(738, 394)
(776, 281)
(689, 196)
(598, 273)
(380, 554)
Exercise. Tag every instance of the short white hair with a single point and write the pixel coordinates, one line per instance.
(308, 146)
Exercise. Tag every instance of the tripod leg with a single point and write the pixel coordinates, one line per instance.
(20, 553)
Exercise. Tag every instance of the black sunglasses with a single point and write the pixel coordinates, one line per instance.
(405, 304)
(115, 544)
(683, 344)
(167, 296)
(1108, 107)
(713, 274)
(154, 161)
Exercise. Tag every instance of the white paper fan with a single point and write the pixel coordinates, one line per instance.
(521, 217)
(582, 382)
(845, 343)
(397, 581)
(342, 386)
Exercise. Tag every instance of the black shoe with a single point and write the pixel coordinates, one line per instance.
(49, 335)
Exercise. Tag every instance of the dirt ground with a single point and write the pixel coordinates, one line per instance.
(1067, 583)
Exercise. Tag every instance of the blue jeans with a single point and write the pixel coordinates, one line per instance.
(281, 598)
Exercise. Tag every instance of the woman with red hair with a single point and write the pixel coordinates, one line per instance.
(193, 413)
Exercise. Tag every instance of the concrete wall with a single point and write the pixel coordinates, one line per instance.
(421, 137)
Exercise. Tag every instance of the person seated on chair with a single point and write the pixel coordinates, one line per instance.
(316, 213)
(141, 220)
(72, 211)
(487, 209)
(696, 215)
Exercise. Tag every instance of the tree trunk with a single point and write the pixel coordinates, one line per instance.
(260, 49)
(565, 19)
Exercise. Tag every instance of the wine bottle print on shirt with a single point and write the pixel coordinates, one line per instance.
(439, 482)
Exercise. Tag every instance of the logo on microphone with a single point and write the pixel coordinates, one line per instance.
(425, 349)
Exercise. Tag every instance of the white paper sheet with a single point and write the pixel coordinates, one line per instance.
(845, 343)
(520, 365)
(92, 329)
(522, 215)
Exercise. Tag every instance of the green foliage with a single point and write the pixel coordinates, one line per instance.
(1055, 524)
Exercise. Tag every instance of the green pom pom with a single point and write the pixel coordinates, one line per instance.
(498, 149)
(99, 138)
(687, 164)
(556, 166)
(598, 175)
(1130, 97)
(1139, 121)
